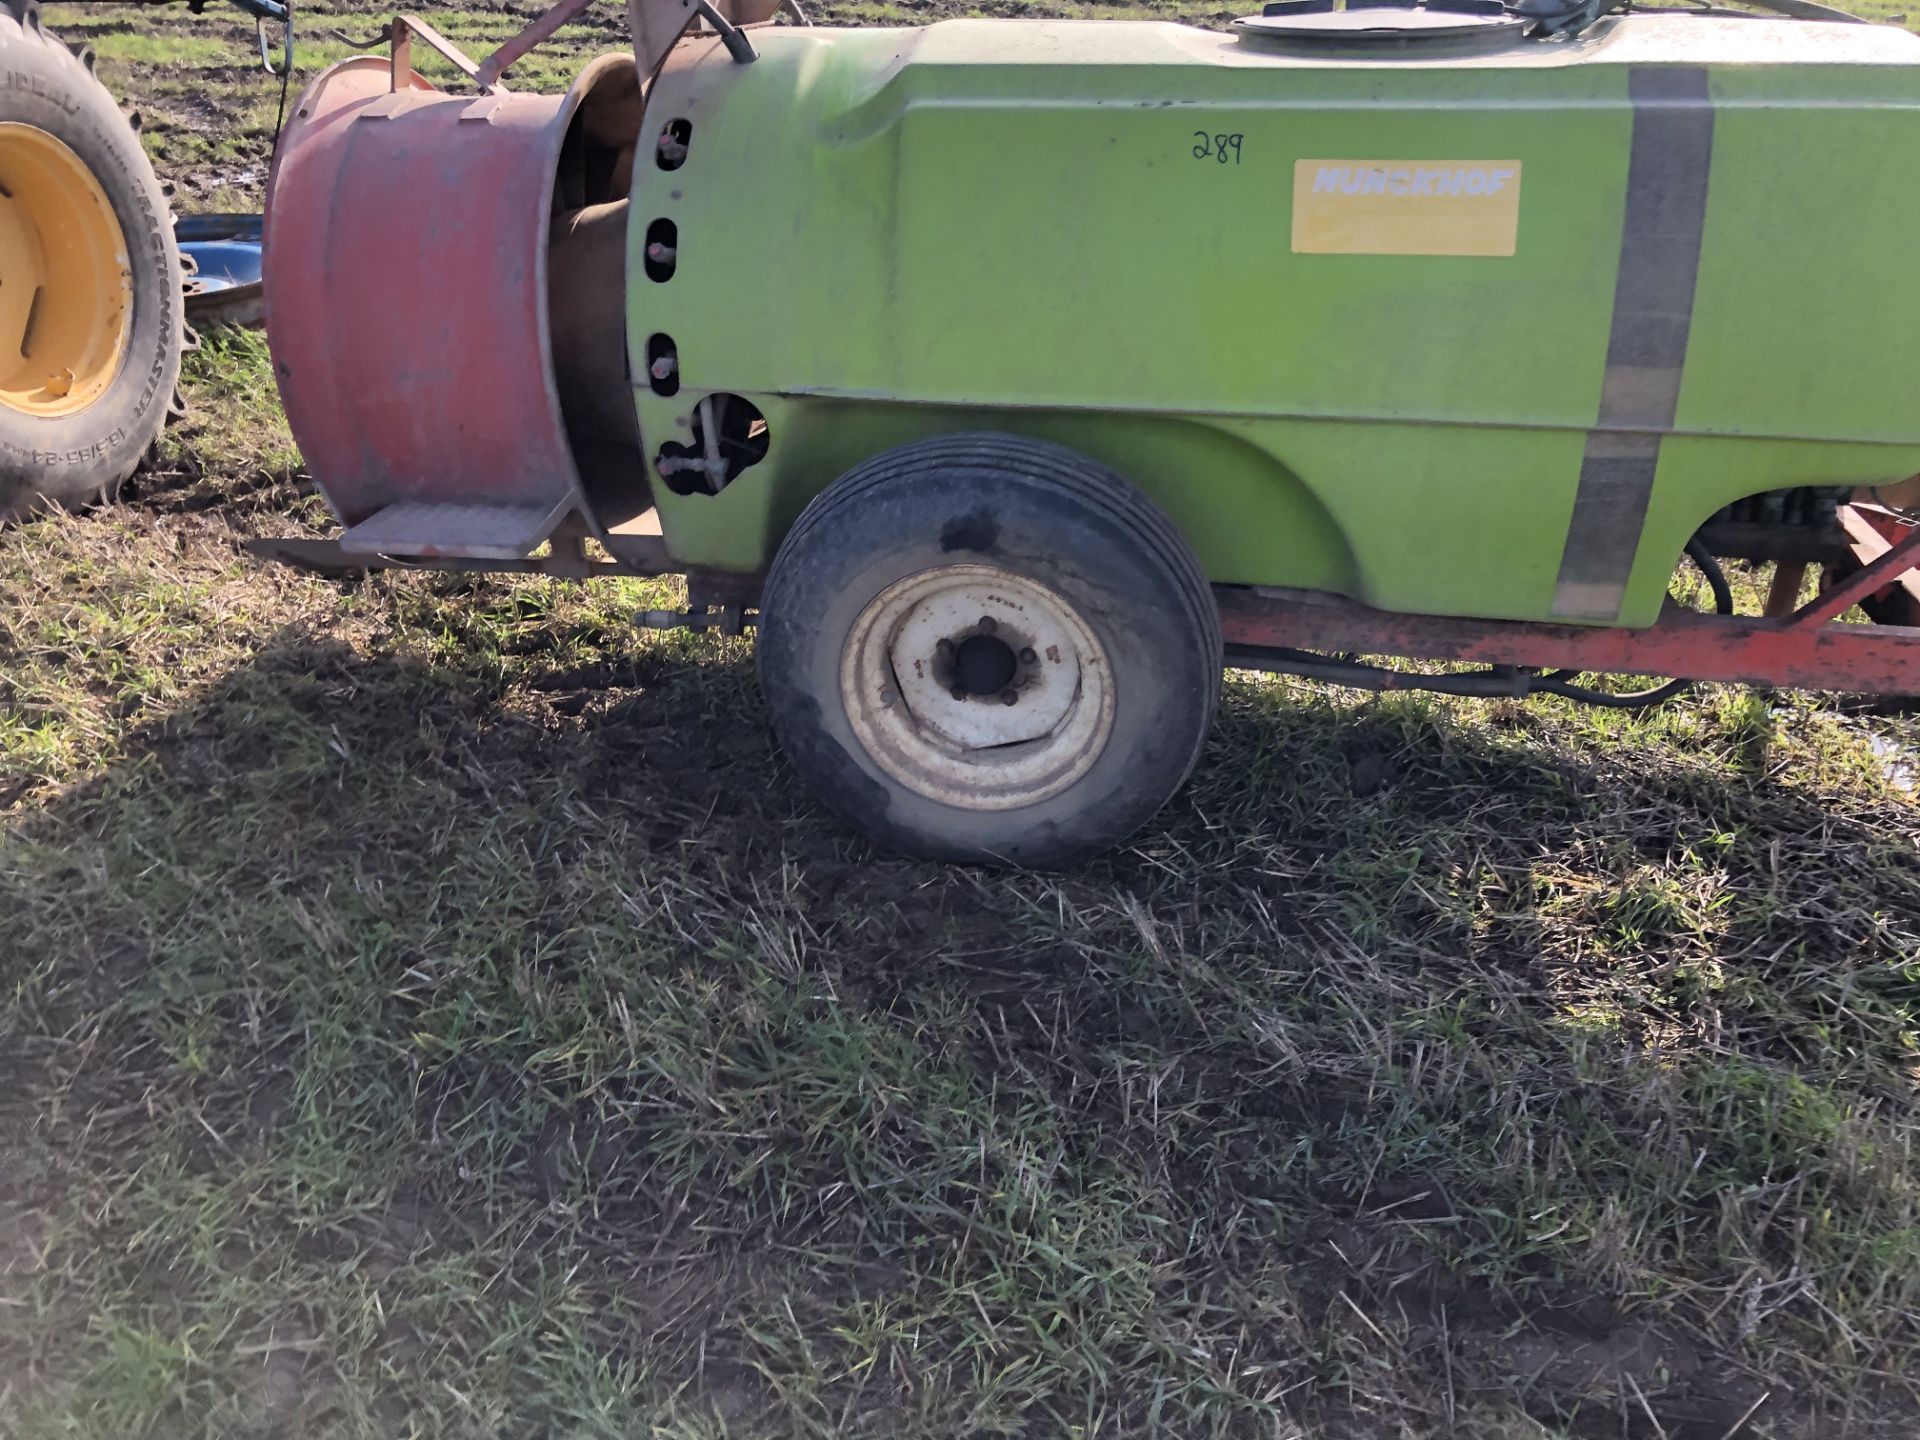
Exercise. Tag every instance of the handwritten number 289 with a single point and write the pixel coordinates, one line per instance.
(1222, 149)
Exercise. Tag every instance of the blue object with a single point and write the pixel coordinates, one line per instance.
(225, 250)
(225, 263)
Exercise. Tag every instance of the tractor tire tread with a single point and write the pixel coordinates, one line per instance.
(37, 459)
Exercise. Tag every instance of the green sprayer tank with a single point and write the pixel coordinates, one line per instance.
(1423, 309)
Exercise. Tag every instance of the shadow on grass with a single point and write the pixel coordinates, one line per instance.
(513, 1049)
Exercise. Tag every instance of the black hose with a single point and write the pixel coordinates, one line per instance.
(732, 36)
(1496, 682)
(372, 42)
(286, 75)
(1500, 682)
(1558, 682)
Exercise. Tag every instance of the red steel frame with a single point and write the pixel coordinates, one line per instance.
(1805, 650)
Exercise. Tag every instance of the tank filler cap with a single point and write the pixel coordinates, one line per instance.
(1383, 26)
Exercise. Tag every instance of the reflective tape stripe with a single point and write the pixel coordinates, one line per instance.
(1653, 289)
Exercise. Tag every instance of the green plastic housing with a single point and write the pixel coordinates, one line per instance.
(1021, 226)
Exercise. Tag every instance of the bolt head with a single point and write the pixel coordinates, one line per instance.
(987, 625)
(944, 649)
(1027, 657)
(959, 692)
(1009, 696)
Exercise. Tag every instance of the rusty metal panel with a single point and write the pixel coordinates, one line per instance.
(406, 255)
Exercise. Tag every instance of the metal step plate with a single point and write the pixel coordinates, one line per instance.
(479, 532)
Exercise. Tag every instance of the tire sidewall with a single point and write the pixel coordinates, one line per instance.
(1163, 680)
(77, 458)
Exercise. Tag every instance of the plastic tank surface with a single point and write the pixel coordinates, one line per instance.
(1486, 332)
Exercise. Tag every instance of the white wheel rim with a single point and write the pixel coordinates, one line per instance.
(915, 681)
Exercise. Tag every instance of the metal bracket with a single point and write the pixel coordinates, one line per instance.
(1871, 531)
(653, 26)
(406, 28)
(263, 11)
(1892, 563)
(495, 65)
(285, 67)
(657, 26)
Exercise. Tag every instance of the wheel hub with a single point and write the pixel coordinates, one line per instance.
(984, 664)
(977, 687)
(66, 286)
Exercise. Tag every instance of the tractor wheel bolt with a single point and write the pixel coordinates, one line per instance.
(987, 625)
(663, 368)
(944, 649)
(1027, 657)
(1009, 697)
(959, 692)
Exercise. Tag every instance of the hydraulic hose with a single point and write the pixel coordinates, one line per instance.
(1559, 682)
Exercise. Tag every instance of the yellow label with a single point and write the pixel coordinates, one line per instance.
(1406, 207)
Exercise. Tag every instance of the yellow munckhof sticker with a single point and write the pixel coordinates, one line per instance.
(1405, 207)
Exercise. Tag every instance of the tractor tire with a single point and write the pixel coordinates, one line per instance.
(991, 649)
(90, 297)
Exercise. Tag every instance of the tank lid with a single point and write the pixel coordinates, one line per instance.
(1375, 26)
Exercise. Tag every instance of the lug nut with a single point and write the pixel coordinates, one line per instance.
(944, 649)
(663, 368)
(987, 626)
(1027, 657)
(1009, 697)
(959, 692)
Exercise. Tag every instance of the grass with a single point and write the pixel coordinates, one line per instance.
(432, 1008)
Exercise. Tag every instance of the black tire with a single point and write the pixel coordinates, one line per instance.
(1032, 510)
(83, 457)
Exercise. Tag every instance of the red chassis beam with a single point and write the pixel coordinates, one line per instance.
(1805, 650)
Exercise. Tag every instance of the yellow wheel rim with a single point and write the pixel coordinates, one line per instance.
(66, 289)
